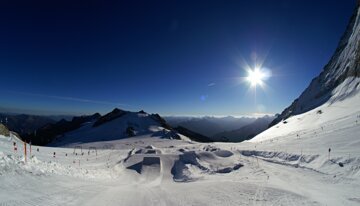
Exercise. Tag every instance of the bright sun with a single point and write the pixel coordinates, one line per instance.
(255, 77)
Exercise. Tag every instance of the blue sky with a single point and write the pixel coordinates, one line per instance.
(167, 57)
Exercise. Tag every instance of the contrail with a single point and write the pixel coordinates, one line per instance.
(211, 84)
(75, 99)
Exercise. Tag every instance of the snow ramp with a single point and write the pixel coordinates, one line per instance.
(149, 168)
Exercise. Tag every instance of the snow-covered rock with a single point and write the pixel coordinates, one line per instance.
(343, 67)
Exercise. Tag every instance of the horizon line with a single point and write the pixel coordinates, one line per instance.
(37, 112)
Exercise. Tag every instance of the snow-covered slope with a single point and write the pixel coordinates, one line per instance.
(333, 125)
(344, 66)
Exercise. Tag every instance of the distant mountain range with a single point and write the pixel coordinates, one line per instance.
(223, 129)
(193, 135)
(246, 132)
(25, 124)
(209, 126)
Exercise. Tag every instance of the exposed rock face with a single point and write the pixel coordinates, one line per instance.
(116, 113)
(344, 64)
(4, 131)
(130, 131)
(162, 121)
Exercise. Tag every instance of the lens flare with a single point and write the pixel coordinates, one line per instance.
(255, 77)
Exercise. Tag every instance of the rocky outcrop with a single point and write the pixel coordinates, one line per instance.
(158, 118)
(4, 131)
(116, 113)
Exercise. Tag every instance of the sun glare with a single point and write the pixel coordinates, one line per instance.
(255, 77)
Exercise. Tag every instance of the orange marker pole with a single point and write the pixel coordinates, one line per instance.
(25, 150)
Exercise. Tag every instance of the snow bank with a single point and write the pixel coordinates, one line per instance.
(338, 166)
(12, 164)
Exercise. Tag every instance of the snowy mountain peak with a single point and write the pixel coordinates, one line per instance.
(342, 69)
(115, 125)
(116, 113)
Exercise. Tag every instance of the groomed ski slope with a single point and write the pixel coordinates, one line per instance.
(288, 164)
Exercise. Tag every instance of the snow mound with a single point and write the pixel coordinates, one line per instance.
(223, 153)
(149, 147)
(192, 166)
